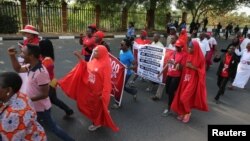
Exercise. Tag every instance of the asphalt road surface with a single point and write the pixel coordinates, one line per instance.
(141, 120)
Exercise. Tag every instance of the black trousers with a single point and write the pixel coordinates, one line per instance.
(221, 83)
(172, 84)
(54, 100)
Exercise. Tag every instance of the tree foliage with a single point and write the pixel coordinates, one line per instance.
(197, 8)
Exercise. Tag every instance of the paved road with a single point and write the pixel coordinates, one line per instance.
(141, 120)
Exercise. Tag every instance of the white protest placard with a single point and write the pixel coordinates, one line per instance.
(151, 62)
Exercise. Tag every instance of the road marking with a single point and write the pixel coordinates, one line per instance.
(66, 37)
(1, 38)
(119, 36)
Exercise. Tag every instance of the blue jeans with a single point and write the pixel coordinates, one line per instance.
(47, 119)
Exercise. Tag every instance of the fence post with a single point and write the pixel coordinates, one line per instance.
(64, 16)
(24, 13)
(97, 15)
(124, 18)
(39, 13)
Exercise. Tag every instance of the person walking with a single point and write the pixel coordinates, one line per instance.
(47, 59)
(227, 67)
(175, 63)
(37, 86)
(31, 37)
(243, 70)
(127, 58)
(18, 118)
(88, 42)
(191, 92)
(89, 84)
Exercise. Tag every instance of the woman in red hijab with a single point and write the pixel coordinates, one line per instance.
(191, 92)
(90, 85)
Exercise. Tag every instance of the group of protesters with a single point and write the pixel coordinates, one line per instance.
(26, 97)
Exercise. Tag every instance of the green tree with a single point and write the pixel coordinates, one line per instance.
(197, 8)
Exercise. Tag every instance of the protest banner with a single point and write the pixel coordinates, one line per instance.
(151, 62)
(118, 76)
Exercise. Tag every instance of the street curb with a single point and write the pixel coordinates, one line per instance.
(68, 37)
(51, 37)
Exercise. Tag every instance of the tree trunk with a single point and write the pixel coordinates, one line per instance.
(151, 15)
(24, 13)
(184, 16)
(97, 15)
(168, 17)
(39, 18)
(124, 18)
(195, 15)
(64, 16)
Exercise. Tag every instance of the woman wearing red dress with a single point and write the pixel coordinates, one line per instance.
(89, 83)
(191, 92)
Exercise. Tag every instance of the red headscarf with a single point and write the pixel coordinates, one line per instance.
(90, 85)
(191, 92)
(184, 37)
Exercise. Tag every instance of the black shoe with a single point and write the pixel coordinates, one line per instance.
(216, 101)
(155, 98)
(69, 113)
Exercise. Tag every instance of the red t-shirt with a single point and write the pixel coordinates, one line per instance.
(142, 42)
(224, 72)
(178, 58)
(49, 65)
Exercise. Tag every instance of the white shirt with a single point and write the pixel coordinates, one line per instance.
(157, 44)
(244, 43)
(212, 42)
(171, 47)
(204, 45)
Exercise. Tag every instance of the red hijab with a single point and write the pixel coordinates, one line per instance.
(191, 92)
(90, 85)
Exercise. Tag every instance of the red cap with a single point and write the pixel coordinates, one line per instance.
(99, 34)
(179, 43)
